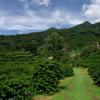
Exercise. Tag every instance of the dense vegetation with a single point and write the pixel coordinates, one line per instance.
(15, 80)
(77, 37)
(46, 77)
(90, 57)
(94, 72)
(21, 80)
(32, 64)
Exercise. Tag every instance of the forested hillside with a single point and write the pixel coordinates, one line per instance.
(76, 37)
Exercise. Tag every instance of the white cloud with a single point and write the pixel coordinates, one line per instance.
(38, 2)
(66, 17)
(21, 22)
(22, 0)
(31, 20)
(42, 2)
(92, 10)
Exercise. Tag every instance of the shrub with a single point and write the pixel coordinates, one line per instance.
(46, 76)
(68, 71)
(17, 89)
(15, 80)
(86, 51)
(94, 72)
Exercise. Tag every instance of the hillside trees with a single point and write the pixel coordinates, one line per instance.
(94, 69)
(88, 49)
(54, 45)
(30, 47)
(18, 43)
(90, 57)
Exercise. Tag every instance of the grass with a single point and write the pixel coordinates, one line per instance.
(79, 87)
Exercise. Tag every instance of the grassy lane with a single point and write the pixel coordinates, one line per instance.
(64, 86)
(79, 87)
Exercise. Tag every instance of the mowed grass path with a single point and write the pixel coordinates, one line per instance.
(78, 87)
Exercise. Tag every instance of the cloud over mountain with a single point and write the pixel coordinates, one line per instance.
(37, 15)
(92, 10)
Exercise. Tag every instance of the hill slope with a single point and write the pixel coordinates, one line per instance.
(77, 36)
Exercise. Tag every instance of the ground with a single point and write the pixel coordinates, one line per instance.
(78, 87)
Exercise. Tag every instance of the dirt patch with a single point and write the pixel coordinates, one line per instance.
(95, 98)
(42, 98)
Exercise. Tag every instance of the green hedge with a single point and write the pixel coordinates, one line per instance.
(15, 80)
(94, 72)
(68, 70)
(20, 80)
(17, 88)
(46, 76)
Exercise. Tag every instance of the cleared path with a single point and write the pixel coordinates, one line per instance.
(79, 87)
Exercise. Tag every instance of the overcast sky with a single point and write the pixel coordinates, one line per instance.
(24, 16)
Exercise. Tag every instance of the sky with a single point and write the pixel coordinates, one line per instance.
(25, 16)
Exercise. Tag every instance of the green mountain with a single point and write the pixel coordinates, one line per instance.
(77, 37)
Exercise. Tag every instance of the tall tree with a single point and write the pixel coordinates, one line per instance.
(54, 46)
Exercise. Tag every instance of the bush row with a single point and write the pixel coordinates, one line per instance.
(94, 72)
(92, 61)
(21, 81)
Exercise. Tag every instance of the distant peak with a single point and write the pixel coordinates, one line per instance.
(52, 28)
(87, 23)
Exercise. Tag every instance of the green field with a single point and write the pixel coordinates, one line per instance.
(79, 87)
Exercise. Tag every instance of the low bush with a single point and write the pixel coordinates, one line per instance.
(46, 76)
(68, 71)
(94, 72)
(15, 80)
(92, 61)
(16, 89)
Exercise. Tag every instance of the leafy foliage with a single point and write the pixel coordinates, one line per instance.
(77, 37)
(15, 80)
(87, 50)
(22, 76)
(17, 88)
(68, 71)
(94, 69)
(91, 59)
(46, 76)
(53, 46)
(94, 72)
(16, 56)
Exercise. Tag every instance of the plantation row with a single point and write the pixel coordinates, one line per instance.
(16, 56)
(21, 81)
(92, 61)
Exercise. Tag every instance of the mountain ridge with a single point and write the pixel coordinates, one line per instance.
(82, 25)
(77, 37)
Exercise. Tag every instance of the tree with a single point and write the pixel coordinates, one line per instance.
(30, 47)
(87, 50)
(54, 45)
